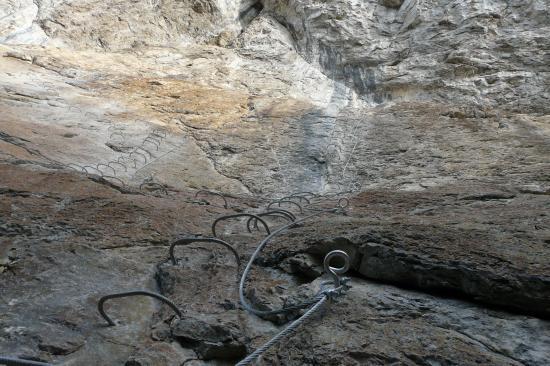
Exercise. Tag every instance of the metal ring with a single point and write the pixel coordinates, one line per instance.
(335, 272)
(340, 202)
(186, 241)
(239, 215)
(134, 293)
(214, 193)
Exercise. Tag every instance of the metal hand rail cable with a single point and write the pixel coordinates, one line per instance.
(287, 332)
(155, 159)
(324, 295)
(244, 302)
(10, 361)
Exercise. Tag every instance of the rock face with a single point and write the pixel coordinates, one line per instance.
(432, 117)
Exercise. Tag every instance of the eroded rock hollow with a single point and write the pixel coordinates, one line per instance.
(430, 118)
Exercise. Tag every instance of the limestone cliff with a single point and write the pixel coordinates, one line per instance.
(431, 117)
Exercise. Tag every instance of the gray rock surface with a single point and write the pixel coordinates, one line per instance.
(434, 115)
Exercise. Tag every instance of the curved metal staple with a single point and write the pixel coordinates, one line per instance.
(134, 293)
(214, 193)
(285, 201)
(147, 151)
(10, 361)
(276, 213)
(154, 143)
(116, 162)
(124, 158)
(115, 128)
(78, 166)
(239, 215)
(186, 241)
(154, 138)
(335, 153)
(158, 185)
(313, 195)
(300, 198)
(137, 152)
(338, 148)
(107, 177)
(110, 167)
(157, 130)
(285, 212)
(88, 166)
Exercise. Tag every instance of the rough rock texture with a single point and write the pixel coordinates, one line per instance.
(434, 115)
(69, 239)
(485, 242)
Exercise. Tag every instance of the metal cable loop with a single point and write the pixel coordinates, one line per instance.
(186, 241)
(134, 293)
(244, 302)
(285, 201)
(239, 215)
(321, 299)
(214, 193)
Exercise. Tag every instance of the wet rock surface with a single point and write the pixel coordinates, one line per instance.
(433, 116)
